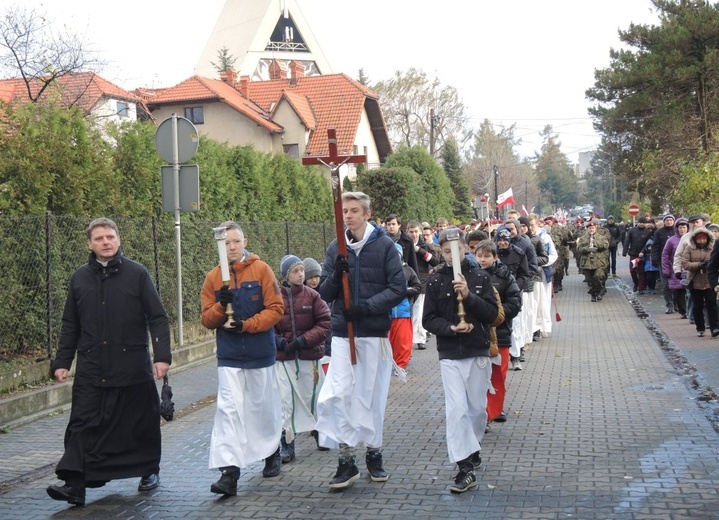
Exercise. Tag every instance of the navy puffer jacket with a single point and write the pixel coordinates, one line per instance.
(377, 284)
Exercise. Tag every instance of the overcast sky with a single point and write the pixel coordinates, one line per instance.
(524, 61)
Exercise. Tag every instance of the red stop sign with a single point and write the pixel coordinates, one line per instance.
(634, 209)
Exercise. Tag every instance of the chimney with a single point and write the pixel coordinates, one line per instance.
(245, 86)
(229, 76)
(275, 70)
(297, 70)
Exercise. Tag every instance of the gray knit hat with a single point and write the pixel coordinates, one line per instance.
(312, 268)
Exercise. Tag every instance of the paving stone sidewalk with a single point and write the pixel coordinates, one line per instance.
(601, 426)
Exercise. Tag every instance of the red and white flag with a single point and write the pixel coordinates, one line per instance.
(524, 211)
(505, 198)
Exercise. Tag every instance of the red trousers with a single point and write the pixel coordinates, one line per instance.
(495, 402)
(400, 337)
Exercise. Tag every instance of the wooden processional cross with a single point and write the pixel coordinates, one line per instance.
(334, 161)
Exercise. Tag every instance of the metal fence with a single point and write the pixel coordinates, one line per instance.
(38, 254)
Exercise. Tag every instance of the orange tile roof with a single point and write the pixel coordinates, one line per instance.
(83, 89)
(321, 102)
(301, 106)
(336, 101)
(198, 88)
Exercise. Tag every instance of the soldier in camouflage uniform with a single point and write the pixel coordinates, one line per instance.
(561, 236)
(594, 250)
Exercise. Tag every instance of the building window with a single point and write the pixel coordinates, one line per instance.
(293, 150)
(123, 109)
(196, 115)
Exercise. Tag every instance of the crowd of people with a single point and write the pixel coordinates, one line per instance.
(302, 356)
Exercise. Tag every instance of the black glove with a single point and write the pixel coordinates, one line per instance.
(353, 313)
(297, 344)
(678, 276)
(281, 343)
(224, 295)
(342, 265)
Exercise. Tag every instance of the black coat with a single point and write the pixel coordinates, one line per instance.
(440, 312)
(660, 238)
(511, 296)
(635, 241)
(514, 259)
(106, 318)
(114, 426)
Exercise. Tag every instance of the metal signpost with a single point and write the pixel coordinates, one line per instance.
(177, 141)
(634, 211)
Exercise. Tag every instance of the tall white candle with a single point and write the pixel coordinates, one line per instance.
(220, 237)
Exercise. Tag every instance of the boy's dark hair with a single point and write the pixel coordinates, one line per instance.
(476, 235)
(394, 216)
(486, 246)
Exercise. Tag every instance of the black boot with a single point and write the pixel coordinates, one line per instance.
(272, 465)
(347, 473)
(227, 485)
(374, 466)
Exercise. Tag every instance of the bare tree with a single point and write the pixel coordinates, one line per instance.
(32, 50)
(409, 99)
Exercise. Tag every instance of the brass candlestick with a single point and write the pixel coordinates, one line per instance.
(453, 238)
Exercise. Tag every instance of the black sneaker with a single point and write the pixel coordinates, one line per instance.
(70, 494)
(273, 463)
(374, 466)
(347, 473)
(227, 485)
(501, 418)
(464, 481)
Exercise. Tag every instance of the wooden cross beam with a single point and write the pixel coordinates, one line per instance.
(334, 161)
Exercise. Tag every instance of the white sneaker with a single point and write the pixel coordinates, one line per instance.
(516, 365)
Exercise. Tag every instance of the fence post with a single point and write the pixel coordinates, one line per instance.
(287, 237)
(48, 288)
(157, 253)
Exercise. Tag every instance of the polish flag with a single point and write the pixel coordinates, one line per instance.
(505, 198)
(524, 211)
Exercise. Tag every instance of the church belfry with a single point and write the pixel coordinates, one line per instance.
(258, 33)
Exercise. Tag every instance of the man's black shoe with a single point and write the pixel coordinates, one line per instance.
(594, 297)
(599, 297)
(273, 463)
(149, 482)
(374, 466)
(227, 485)
(420, 346)
(502, 417)
(347, 473)
(69, 494)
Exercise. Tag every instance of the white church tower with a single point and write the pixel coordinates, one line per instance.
(257, 32)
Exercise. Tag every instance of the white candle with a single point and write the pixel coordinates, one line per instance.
(456, 260)
(220, 237)
(453, 239)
